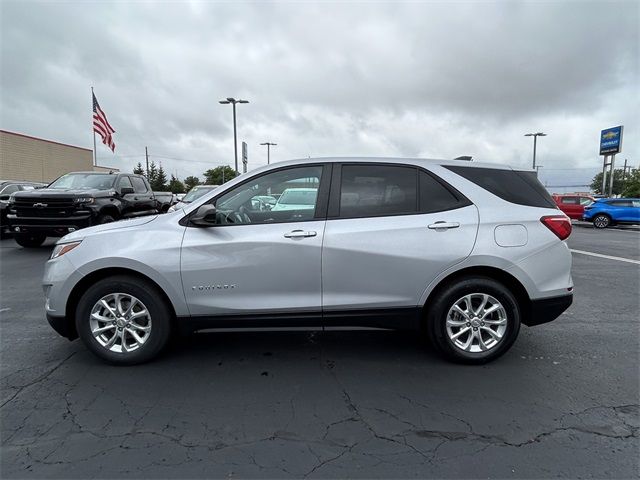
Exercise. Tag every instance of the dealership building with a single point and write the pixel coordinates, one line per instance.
(23, 157)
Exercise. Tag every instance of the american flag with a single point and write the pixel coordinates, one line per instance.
(101, 125)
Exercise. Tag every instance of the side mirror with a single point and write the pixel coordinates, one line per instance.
(205, 216)
(126, 190)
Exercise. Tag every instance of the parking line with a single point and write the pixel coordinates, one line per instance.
(620, 259)
(4, 310)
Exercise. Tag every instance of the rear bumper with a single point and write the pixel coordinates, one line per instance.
(546, 310)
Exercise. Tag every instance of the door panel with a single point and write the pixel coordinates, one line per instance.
(252, 268)
(389, 261)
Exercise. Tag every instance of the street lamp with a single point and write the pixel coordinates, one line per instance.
(268, 144)
(535, 138)
(233, 101)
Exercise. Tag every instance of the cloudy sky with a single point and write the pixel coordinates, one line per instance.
(425, 79)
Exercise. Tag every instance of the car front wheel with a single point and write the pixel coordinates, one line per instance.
(474, 320)
(30, 240)
(123, 320)
(601, 221)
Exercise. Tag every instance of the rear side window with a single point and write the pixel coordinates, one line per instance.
(621, 203)
(375, 190)
(522, 188)
(570, 200)
(138, 185)
(435, 197)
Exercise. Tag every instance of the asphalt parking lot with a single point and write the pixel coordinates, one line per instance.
(562, 403)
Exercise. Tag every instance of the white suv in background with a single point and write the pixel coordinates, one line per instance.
(463, 252)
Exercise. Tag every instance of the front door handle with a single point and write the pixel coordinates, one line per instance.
(443, 225)
(299, 234)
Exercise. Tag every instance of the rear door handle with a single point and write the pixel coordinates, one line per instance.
(443, 225)
(299, 234)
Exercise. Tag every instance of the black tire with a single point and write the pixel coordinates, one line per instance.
(152, 299)
(30, 240)
(601, 220)
(436, 319)
(104, 219)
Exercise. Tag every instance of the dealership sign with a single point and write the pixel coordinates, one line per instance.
(611, 141)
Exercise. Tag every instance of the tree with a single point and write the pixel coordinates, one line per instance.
(219, 175)
(596, 183)
(159, 182)
(153, 174)
(191, 182)
(139, 170)
(175, 185)
(632, 184)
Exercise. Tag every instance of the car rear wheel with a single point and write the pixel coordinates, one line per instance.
(474, 320)
(105, 219)
(123, 320)
(30, 240)
(601, 221)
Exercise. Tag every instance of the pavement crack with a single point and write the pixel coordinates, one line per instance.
(41, 378)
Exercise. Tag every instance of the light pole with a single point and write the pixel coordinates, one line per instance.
(269, 145)
(233, 101)
(535, 138)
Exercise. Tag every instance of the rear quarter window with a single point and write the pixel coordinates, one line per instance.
(521, 188)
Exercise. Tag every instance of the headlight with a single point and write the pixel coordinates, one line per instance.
(63, 248)
(84, 200)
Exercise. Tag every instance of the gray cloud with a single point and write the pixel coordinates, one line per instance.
(427, 79)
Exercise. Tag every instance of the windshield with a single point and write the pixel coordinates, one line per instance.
(298, 197)
(98, 181)
(195, 193)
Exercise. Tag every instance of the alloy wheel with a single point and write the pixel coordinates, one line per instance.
(120, 322)
(601, 221)
(476, 323)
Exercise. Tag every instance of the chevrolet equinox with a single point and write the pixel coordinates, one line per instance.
(463, 252)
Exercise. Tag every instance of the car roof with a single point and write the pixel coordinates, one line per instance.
(614, 198)
(400, 160)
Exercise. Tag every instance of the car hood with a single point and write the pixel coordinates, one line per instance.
(63, 193)
(85, 232)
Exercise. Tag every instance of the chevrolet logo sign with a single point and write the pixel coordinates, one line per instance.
(40, 205)
(610, 135)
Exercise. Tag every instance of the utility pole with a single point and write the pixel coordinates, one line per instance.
(535, 141)
(269, 145)
(233, 101)
(611, 175)
(146, 154)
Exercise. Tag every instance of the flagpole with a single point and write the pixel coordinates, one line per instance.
(95, 159)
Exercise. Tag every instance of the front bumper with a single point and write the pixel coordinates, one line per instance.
(63, 326)
(52, 227)
(546, 310)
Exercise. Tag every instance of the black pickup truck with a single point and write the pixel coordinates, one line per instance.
(77, 200)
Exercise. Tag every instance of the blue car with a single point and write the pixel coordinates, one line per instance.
(605, 212)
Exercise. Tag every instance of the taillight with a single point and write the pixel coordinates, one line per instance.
(558, 224)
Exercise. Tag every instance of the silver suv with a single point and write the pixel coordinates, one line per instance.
(463, 252)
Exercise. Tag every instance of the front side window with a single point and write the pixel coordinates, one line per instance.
(288, 195)
(375, 190)
(585, 201)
